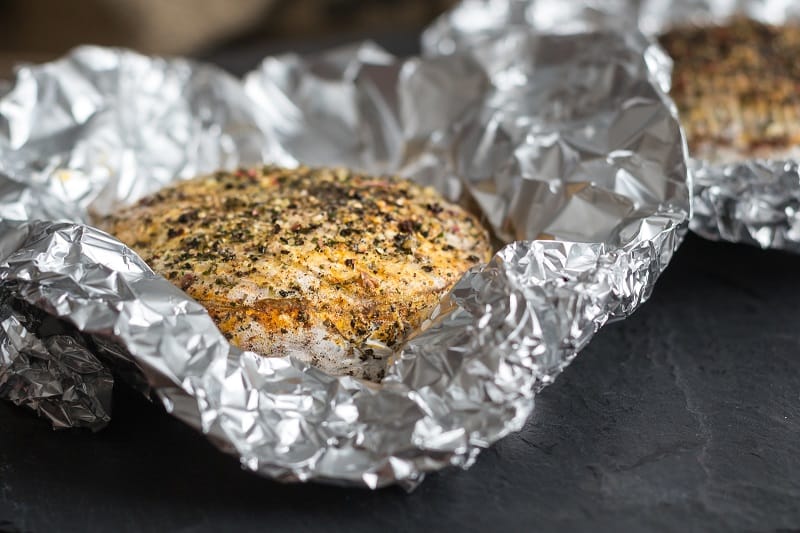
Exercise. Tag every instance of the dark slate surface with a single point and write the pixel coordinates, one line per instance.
(685, 417)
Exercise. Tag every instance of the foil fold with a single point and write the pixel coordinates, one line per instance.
(750, 201)
(55, 374)
(571, 151)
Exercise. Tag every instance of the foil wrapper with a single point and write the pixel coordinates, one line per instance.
(571, 151)
(751, 201)
(50, 368)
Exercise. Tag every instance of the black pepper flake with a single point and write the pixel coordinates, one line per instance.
(349, 263)
(427, 268)
(233, 202)
(174, 232)
(188, 216)
(308, 229)
(240, 236)
(276, 228)
(406, 226)
(435, 208)
(193, 241)
(473, 258)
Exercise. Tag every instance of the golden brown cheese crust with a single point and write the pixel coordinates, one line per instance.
(737, 88)
(327, 265)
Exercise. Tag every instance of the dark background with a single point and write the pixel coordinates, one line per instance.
(685, 417)
(41, 30)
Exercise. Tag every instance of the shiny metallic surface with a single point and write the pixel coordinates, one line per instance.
(754, 201)
(551, 137)
(89, 127)
(55, 374)
(757, 202)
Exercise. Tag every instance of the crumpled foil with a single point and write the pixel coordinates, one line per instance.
(551, 137)
(50, 368)
(751, 201)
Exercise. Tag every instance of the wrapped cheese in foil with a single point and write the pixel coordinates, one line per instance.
(567, 144)
(753, 201)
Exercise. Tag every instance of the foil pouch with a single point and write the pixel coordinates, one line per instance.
(569, 148)
(752, 201)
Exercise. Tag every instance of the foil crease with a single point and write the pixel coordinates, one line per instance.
(86, 128)
(556, 137)
(55, 374)
(750, 201)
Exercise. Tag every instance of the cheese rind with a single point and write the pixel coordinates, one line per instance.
(328, 265)
(737, 88)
